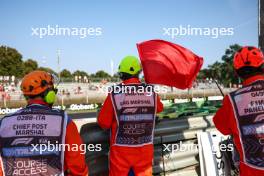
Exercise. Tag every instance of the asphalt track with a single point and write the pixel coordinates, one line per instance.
(82, 115)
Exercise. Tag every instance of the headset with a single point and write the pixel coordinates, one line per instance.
(49, 95)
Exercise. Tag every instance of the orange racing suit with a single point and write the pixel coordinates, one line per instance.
(122, 158)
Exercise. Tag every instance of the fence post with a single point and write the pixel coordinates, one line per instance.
(62, 100)
(87, 97)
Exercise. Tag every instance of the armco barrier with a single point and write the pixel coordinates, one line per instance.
(175, 132)
(184, 135)
(99, 97)
(163, 128)
(173, 165)
(189, 171)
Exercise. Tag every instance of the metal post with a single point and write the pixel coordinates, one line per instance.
(162, 155)
(261, 24)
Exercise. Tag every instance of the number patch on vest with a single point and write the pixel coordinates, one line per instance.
(25, 139)
(135, 114)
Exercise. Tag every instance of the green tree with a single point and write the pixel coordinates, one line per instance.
(101, 74)
(223, 71)
(216, 70)
(48, 70)
(229, 75)
(203, 74)
(230, 52)
(11, 62)
(80, 73)
(30, 65)
(65, 73)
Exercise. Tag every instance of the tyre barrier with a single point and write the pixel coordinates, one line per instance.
(173, 132)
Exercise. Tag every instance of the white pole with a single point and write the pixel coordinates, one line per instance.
(58, 57)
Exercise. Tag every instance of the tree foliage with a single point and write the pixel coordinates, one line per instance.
(80, 73)
(101, 74)
(65, 73)
(30, 65)
(47, 69)
(222, 71)
(11, 62)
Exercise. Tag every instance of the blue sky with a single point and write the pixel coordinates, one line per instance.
(123, 24)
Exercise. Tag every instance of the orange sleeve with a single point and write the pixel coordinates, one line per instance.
(222, 117)
(106, 114)
(159, 105)
(74, 161)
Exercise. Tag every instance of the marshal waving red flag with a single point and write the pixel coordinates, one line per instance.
(168, 64)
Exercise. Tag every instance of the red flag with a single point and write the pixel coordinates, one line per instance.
(168, 64)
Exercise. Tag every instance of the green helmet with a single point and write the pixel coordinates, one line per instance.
(130, 65)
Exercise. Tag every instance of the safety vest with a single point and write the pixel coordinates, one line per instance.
(30, 141)
(248, 107)
(135, 111)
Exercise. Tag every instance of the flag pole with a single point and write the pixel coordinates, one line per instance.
(219, 88)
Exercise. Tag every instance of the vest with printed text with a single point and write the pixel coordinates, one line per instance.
(248, 106)
(30, 139)
(135, 111)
